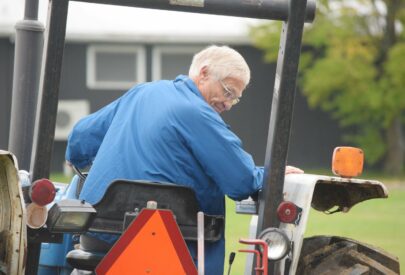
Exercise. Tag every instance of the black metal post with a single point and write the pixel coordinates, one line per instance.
(46, 110)
(262, 9)
(280, 119)
(49, 89)
(27, 63)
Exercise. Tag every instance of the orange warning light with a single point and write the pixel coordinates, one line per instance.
(347, 162)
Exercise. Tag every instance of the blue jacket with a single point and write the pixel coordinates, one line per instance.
(165, 131)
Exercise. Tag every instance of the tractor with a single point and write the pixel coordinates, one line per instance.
(279, 211)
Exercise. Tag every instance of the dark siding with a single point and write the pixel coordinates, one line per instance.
(313, 133)
(6, 72)
(313, 136)
(73, 86)
(250, 118)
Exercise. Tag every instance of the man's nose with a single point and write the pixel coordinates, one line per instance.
(228, 105)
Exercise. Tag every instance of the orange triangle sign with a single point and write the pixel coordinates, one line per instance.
(152, 244)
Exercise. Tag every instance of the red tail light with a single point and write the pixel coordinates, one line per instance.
(288, 212)
(42, 192)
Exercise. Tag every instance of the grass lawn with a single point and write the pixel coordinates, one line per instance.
(59, 177)
(380, 222)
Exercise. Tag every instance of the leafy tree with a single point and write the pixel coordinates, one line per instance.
(353, 66)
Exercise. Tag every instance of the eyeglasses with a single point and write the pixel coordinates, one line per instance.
(229, 94)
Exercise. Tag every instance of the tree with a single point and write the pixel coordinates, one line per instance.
(353, 66)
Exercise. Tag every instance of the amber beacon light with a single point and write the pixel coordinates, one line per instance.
(347, 162)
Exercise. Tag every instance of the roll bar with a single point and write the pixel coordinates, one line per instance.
(293, 13)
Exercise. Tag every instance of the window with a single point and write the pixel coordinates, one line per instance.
(170, 61)
(115, 67)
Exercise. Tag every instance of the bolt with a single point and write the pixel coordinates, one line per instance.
(287, 212)
(151, 205)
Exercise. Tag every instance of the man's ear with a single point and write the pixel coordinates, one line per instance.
(203, 72)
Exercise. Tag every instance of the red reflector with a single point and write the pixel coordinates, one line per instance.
(287, 212)
(42, 192)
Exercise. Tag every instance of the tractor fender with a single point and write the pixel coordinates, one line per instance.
(326, 192)
(13, 235)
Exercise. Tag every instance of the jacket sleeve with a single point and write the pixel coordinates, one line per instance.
(219, 151)
(87, 135)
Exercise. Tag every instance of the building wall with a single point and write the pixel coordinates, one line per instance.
(313, 136)
(6, 68)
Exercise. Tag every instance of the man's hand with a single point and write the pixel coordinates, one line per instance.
(293, 170)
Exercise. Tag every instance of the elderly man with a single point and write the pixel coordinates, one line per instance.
(171, 131)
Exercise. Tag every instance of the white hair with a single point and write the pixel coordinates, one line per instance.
(221, 62)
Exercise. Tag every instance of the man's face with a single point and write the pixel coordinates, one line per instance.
(221, 94)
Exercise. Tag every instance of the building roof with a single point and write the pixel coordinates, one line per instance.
(98, 22)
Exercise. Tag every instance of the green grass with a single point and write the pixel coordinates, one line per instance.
(379, 222)
(59, 177)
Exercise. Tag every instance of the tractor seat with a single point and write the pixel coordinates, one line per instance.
(84, 260)
(124, 199)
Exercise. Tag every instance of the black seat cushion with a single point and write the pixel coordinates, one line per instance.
(124, 196)
(90, 252)
(84, 260)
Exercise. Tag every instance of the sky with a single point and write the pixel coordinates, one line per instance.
(95, 20)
